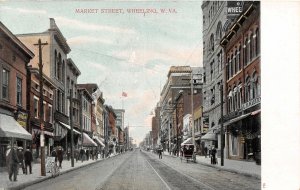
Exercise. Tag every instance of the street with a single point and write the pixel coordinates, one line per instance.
(143, 170)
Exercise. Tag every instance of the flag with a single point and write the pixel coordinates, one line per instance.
(124, 94)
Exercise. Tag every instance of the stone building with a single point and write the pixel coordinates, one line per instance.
(14, 59)
(242, 88)
(214, 22)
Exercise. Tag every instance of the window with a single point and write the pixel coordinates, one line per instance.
(247, 90)
(44, 110)
(211, 43)
(50, 113)
(236, 68)
(211, 70)
(63, 72)
(55, 63)
(5, 81)
(19, 91)
(245, 52)
(238, 59)
(59, 66)
(251, 47)
(36, 107)
(233, 65)
(227, 69)
(257, 41)
(219, 31)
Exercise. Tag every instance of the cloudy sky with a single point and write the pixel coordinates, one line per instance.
(130, 52)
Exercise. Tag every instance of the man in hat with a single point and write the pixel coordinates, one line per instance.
(21, 158)
(60, 155)
(12, 162)
(28, 159)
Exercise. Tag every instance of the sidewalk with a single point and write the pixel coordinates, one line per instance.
(241, 167)
(24, 180)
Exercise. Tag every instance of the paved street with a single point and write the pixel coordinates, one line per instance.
(143, 170)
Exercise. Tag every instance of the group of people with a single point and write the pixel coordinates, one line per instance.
(212, 154)
(17, 158)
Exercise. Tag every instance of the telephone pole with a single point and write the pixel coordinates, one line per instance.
(71, 124)
(41, 108)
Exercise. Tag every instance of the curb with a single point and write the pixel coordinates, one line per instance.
(29, 183)
(225, 169)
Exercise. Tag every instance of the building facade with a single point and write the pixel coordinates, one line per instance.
(242, 88)
(54, 66)
(14, 59)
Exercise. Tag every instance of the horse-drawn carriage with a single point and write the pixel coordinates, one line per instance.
(187, 151)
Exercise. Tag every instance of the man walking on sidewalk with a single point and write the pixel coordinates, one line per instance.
(12, 163)
(28, 159)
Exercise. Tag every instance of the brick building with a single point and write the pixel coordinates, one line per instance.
(14, 59)
(242, 88)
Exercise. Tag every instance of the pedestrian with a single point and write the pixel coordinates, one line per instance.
(82, 154)
(87, 152)
(160, 149)
(12, 162)
(213, 156)
(28, 159)
(60, 156)
(205, 151)
(54, 154)
(21, 159)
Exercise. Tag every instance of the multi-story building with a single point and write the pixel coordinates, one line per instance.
(14, 59)
(214, 20)
(54, 58)
(33, 91)
(242, 88)
(86, 101)
(179, 80)
(111, 129)
(120, 128)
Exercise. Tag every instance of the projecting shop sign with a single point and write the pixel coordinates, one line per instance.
(234, 9)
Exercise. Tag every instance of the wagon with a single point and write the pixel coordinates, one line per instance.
(187, 153)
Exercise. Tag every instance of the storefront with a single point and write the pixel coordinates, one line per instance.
(11, 133)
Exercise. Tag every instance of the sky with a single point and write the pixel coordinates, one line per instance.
(121, 52)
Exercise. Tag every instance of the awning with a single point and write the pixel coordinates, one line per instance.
(9, 127)
(87, 141)
(69, 127)
(187, 141)
(209, 136)
(236, 119)
(98, 141)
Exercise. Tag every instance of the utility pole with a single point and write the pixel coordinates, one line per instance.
(192, 107)
(41, 108)
(222, 126)
(71, 124)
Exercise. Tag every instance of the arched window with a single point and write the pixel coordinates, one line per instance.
(248, 89)
(245, 53)
(257, 41)
(255, 85)
(55, 63)
(211, 42)
(219, 31)
(229, 96)
(231, 66)
(248, 50)
(251, 47)
(234, 98)
(240, 92)
(239, 58)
